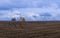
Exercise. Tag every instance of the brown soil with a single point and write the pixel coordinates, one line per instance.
(36, 29)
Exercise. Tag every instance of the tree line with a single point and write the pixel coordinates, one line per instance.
(21, 19)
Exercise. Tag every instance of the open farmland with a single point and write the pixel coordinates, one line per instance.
(32, 29)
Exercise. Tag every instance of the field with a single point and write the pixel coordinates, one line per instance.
(32, 29)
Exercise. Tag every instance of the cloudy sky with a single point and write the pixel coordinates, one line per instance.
(31, 10)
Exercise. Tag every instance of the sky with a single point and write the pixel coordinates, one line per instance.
(31, 10)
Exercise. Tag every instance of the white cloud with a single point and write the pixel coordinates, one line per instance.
(32, 8)
(30, 12)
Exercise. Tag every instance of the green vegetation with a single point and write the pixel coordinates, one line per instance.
(22, 19)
